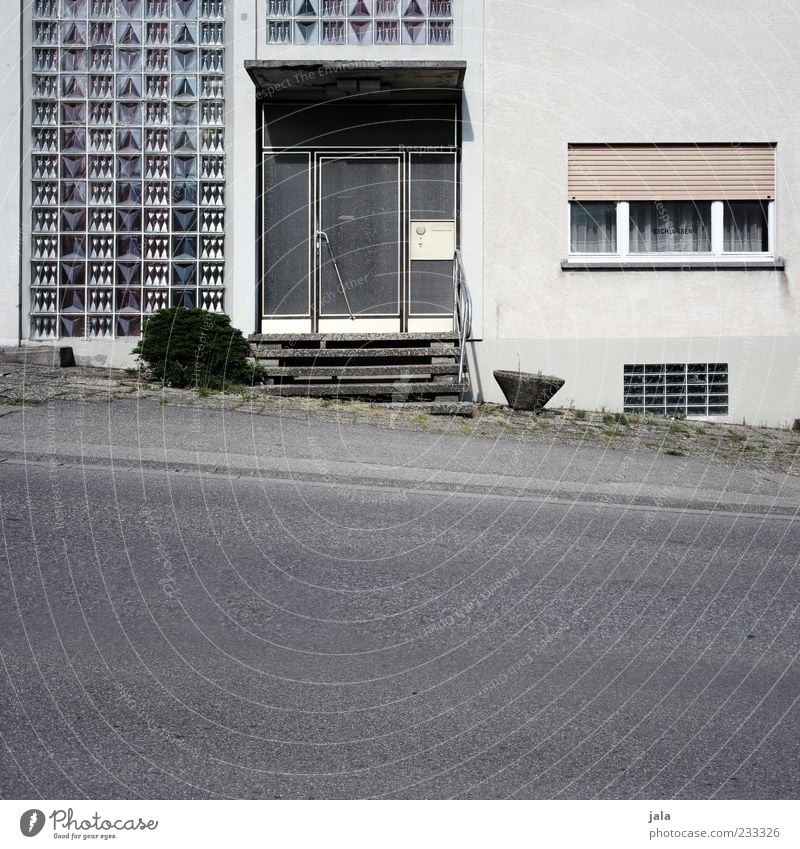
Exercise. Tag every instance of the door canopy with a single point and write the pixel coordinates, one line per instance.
(321, 81)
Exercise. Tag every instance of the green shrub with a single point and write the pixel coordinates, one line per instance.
(194, 348)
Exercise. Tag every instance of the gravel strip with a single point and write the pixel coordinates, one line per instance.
(744, 446)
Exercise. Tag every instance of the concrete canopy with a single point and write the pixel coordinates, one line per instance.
(400, 80)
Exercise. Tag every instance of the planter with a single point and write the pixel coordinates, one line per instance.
(525, 391)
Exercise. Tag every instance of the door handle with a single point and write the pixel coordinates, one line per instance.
(323, 236)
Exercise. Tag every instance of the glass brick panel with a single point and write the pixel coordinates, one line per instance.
(213, 301)
(74, 8)
(355, 22)
(156, 275)
(669, 389)
(101, 300)
(128, 325)
(127, 160)
(101, 328)
(155, 300)
(72, 326)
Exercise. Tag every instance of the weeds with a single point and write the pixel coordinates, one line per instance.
(616, 418)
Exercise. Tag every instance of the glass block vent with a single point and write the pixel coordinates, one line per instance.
(669, 389)
(127, 163)
(360, 22)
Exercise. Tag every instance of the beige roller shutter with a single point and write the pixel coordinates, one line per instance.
(672, 172)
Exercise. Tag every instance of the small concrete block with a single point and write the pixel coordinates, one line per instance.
(35, 355)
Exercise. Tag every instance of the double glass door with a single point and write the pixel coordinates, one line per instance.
(337, 242)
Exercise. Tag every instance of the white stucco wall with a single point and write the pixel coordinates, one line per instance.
(539, 76)
(10, 236)
(612, 71)
(245, 29)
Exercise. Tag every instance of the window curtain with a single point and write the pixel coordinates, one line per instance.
(746, 227)
(593, 228)
(670, 227)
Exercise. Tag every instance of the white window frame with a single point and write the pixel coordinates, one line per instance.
(716, 256)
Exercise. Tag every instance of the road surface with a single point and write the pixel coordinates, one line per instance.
(200, 605)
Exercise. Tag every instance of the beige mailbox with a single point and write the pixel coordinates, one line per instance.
(433, 240)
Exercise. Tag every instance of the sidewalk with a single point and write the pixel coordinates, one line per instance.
(108, 417)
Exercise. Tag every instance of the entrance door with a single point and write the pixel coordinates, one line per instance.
(360, 244)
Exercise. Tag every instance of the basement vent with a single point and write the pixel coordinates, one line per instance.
(669, 389)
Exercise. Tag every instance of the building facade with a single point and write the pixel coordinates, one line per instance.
(617, 183)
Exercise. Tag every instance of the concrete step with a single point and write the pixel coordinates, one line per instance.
(276, 352)
(317, 371)
(465, 409)
(395, 391)
(371, 338)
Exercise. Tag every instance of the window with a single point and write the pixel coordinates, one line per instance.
(593, 228)
(120, 228)
(710, 203)
(670, 227)
(383, 22)
(746, 227)
(670, 389)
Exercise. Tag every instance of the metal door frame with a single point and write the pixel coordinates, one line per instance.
(404, 158)
(319, 158)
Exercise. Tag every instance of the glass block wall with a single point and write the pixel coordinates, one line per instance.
(360, 21)
(128, 162)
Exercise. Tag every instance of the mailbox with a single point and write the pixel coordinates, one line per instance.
(433, 240)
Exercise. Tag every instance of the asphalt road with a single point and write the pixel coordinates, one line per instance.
(203, 605)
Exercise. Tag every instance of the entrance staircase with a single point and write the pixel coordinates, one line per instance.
(396, 367)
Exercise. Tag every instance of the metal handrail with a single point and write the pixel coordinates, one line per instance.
(463, 310)
(321, 234)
